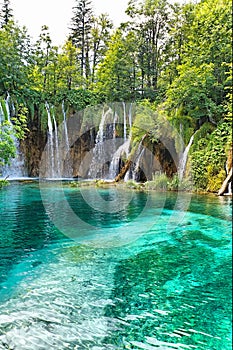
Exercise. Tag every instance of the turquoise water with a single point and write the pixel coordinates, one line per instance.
(141, 272)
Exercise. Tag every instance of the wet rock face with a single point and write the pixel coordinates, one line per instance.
(167, 157)
(157, 157)
(33, 145)
(81, 155)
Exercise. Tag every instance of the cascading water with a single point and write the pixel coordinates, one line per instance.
(124, 149)
(57, 150)
(125, 122)
(112, 143)
(128, 175)
(184, 158)
(101, 151)
(139, 155)
(50, 168)
(1, 114)
(57, 161)
(16, 169)
(67, 146)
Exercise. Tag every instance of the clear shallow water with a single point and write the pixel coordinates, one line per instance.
(164, 289)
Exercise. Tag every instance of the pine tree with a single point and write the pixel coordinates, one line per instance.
(6, 13)
(81, 25)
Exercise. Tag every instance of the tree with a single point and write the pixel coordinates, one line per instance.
(14, 58)
(42, 57)
(198, 88)
(151, 17)
(173, 53)
(6, 13)
(81, 34)
(68, 68)
(116, 75)
(100, 37)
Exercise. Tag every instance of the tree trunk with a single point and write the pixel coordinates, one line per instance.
(123, 171)
(225, 184)
(128, 163)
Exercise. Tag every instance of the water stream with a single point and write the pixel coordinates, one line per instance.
(184, 158)
(17, 168)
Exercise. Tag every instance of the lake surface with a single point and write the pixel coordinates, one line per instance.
(113, 269)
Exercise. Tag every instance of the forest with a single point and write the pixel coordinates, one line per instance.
(173, 57)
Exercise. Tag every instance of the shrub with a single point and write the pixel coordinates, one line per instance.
(133, 184)
(159, 182)
(3, 183)
(176, 184)
(208, 158)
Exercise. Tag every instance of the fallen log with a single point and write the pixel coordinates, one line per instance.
(225, 183)
(123, 171)
(128, 163)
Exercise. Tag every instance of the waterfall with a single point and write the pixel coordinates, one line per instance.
(1, 114)
(57, 160)
(114, 125)
(16, 169)
(111, 147)
(139, 155)
(57, 164)
(100, 150)
(125, 122)
(130, 115)
(123, 150)
(50, 169)
(184, 158)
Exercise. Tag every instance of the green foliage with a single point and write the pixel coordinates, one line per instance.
(133, 185)
(151, 122)
(7, 146)
(9, 130)
(116, 74)
(3, 183)
(215, 178)
(198, 85)
(159, 182)
(209, 157)
(175, 184)
(14, 58)
(6, 13)
(20, 122)
(192, 90)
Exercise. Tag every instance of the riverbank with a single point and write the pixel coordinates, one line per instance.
(160, 184)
